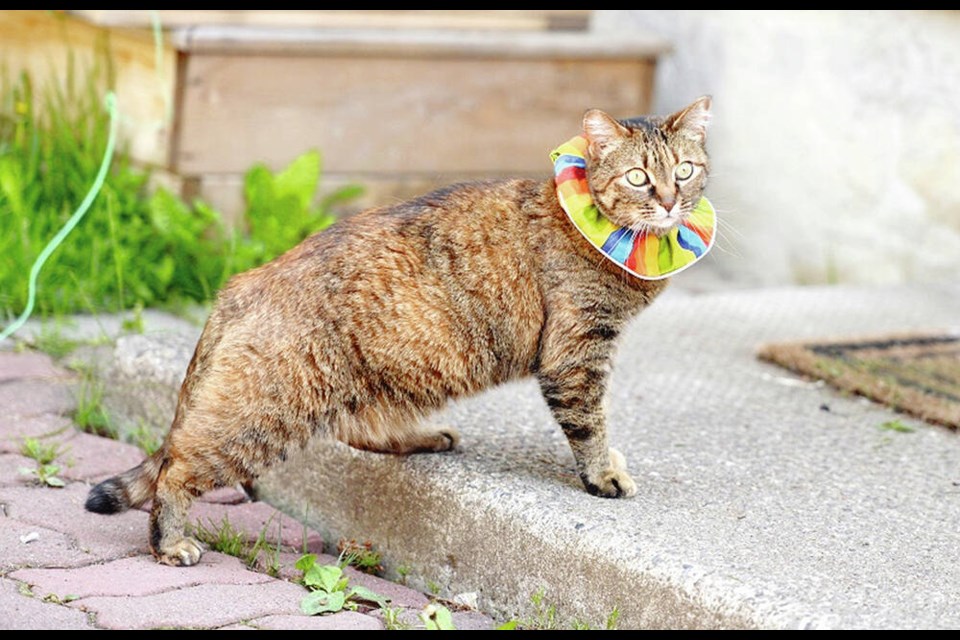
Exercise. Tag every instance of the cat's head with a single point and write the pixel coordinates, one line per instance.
(648, 173)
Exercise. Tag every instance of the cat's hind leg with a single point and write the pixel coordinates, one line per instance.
(398, 430)
(417, 439)
(168, 517)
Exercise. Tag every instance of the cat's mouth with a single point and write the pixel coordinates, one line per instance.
(663, 224)
(662, 221)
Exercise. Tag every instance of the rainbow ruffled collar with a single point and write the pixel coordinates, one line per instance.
(644, 255)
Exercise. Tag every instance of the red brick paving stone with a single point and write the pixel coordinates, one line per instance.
(137, 576)
(89, 457)
(10, 465)
(14, 428)
(29, 364)
(344, 620)
(18, 611)
(203, 606)
(50, 549)
(399, 595)
(251, 517)
(34, 397)
(107, 537)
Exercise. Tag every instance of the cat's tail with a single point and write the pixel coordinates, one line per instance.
(129, 489)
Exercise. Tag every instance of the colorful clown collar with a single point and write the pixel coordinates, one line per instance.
(644, 255)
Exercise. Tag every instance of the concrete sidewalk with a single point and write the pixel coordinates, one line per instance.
(764, 500)
(64, 568)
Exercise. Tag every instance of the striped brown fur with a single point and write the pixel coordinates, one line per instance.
(364, 329)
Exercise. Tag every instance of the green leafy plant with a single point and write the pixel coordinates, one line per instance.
(133, 248)
(45, 472)
(329, 589)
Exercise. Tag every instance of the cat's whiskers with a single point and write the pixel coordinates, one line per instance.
(727, 235)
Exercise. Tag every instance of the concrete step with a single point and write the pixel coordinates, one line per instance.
(764, 500)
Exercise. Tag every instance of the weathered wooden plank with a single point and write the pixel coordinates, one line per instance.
(416, 44)
(40, 42)
(504, 19)
(410, 116)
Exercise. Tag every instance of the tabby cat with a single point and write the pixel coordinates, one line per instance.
(363, 329)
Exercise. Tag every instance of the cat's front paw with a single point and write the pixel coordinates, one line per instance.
(613, 482)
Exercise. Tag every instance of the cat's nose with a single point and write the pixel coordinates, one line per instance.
(668, 205)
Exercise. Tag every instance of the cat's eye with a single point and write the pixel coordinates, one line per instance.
(637, 177)
(684, 170)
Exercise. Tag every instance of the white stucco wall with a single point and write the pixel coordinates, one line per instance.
(835, 138)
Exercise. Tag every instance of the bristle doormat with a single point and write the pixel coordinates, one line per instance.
(917, 374)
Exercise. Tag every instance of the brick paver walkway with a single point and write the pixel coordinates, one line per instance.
(64, 568)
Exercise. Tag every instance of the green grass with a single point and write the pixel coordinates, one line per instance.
(51, 340)
(145, 438)
(392, 620)
(134, 248)
(222, 537)
(226, 539)
(361, 556)
(38, 451)
(91, 414)
(545, 617)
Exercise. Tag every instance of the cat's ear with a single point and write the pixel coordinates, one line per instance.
(601, 131)
(692, 120)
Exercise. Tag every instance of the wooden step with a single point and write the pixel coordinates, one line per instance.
(471, 19)
(389, 106)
